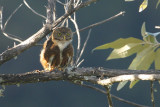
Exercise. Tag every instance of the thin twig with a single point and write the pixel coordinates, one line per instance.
(51, 16)
(60, 2)
(78, 37)
(113, 96)
(10, 36)
(80, 62)
(67, 10)
(1, 11)
(33, 10)
(128, 102)
(8, 19)
(110, 103)
(73, 4)
(84, 46)
(54, 10)
(70, 5)
(78, 34)
(101, 22)
(152, 94)
(78, 2)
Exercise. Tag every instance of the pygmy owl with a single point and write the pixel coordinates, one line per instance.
(57, 51)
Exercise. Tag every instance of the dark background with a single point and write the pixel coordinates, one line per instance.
(62, 93)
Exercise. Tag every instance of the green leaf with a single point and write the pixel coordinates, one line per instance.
(118, 43)
(157, 59)
(151, 39)
(125, 51)
(143, 31)
(143, 6)
(133, 83)
(157, 4)
(147, 36)
(144, 59)
(121, 85)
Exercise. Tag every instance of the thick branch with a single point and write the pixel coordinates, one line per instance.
(31, 41)
(83, 74)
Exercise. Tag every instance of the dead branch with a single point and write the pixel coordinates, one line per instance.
(82, 50)
(131, 77)
(3, 27)
(103, 21)
(24, 1)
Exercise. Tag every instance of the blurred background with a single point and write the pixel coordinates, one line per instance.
(63, 93)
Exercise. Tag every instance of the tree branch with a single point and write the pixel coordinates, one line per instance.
(83, 74)
(131, 77)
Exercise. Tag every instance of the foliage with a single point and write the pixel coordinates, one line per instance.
(147, 51)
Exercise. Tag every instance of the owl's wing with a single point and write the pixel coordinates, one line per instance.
(47, 48)
(48, 43)
(69, 52)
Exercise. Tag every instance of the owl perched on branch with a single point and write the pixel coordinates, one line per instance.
(57, 51)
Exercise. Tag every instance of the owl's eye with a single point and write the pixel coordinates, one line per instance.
(59, 34)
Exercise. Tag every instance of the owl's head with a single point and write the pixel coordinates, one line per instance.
(62, 34)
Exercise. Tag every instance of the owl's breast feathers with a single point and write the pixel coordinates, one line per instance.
(52, 56)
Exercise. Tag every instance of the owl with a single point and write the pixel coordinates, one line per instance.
(57, 51)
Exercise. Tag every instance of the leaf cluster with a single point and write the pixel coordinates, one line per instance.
(147, 50)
